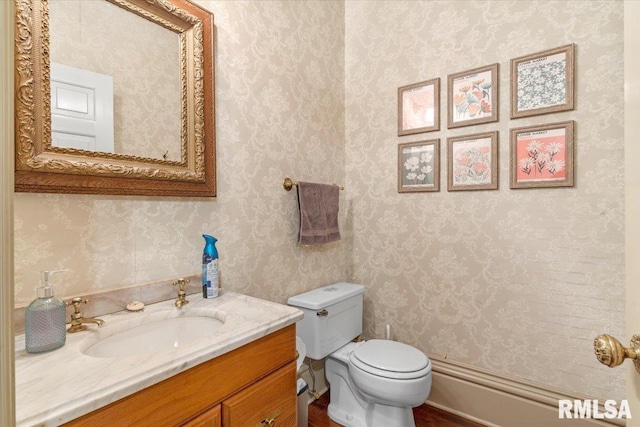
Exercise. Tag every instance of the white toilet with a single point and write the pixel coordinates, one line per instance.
(374, 383)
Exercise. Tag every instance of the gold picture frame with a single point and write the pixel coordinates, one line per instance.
(44, 168)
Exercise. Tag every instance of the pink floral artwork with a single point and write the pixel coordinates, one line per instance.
(541, 156)
(472, 96)
(472, 162)
(418, 109)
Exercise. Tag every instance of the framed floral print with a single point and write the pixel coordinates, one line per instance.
(473, 97)
(419, 166)
(542, 156)
(472, 162)
(419, 107)
(543, 82)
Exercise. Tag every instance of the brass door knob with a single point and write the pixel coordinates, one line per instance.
(269, 422)
(609, 351)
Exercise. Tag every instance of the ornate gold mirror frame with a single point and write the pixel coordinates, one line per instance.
(41, 167)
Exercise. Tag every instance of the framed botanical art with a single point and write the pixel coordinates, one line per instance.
(419, 107)
(472, 162)
(419, 166)
(542, 156)
(543, 82)
(473, 97)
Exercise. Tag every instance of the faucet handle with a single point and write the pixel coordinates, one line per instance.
(181, 283)
(182, 293)
(75, 302)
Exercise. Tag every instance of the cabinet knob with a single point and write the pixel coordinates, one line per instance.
(270, 420)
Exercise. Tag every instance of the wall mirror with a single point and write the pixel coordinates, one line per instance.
(114, 97)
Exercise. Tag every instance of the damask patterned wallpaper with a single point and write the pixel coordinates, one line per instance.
(515, 282)
(280, 112)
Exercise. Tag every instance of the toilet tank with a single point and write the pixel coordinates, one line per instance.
(332, 317)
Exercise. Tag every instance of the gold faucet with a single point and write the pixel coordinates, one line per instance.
(182, 294)
(77, 319)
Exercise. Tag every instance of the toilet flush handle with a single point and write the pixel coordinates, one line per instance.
(322, 312)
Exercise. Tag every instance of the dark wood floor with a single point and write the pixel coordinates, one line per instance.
(426, 416)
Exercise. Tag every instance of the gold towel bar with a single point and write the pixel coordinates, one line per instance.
(288, 184)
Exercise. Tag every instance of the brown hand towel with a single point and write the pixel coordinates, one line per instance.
(318, 213)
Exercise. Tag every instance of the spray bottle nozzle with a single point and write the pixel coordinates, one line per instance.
(210, 245)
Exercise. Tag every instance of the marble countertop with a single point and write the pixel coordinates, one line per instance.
(55, 387)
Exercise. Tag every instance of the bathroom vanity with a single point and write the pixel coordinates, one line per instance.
(243, 374)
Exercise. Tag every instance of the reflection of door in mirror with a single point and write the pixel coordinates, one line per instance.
(143, 59)
(81, 109)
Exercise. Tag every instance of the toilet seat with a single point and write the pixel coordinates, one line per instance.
(390, 359)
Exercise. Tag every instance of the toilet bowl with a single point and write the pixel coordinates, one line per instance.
(373, 383)
(377, 383)
(391, 372)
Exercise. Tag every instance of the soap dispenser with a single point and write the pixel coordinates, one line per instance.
(44, 326)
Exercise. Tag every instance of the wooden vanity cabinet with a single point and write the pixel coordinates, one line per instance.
(243, 388)
(264, 401)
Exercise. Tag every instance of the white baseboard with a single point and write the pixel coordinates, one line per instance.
(486, 398)
(497, 401)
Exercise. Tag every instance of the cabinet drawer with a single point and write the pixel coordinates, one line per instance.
(273, 397)
(211, 418)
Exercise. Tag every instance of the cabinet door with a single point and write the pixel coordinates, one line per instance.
(211, 418)
(269, 402)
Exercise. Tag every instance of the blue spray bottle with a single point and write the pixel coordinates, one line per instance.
(209, 267)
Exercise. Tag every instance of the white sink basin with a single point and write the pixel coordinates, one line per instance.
(155, 337)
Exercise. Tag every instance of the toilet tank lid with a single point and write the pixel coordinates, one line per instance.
(326, 295)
